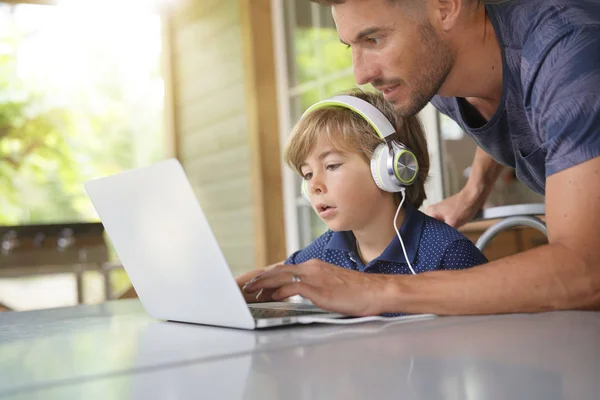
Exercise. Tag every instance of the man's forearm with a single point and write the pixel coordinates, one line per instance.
(484, 173)
(547, 278)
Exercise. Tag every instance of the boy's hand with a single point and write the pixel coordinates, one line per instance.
(265, 295)
(327, 286)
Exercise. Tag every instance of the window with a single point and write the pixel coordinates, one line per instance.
(313, 65)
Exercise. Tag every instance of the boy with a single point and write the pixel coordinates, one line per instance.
(364, 171)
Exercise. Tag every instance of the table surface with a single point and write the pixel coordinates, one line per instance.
(116, 351)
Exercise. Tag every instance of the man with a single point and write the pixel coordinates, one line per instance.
(523, 79)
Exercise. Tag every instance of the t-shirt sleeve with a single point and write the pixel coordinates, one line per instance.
(564, 98)
(461, 254)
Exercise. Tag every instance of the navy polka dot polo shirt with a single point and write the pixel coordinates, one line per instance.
(430, 245)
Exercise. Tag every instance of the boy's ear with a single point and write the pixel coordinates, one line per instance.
(304, 190)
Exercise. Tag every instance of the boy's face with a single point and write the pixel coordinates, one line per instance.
(340, 187)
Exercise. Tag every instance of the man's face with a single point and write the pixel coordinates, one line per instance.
(340, 187)
(395, 49)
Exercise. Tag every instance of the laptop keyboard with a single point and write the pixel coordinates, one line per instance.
(273, 313)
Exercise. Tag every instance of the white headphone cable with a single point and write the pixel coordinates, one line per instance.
(403, 191)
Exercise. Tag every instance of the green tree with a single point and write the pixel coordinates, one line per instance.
(34, 146)
(53, 139)
(106, 119)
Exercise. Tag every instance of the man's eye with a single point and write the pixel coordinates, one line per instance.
(373, 40)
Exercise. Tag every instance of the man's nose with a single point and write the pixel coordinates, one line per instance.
(365, 69)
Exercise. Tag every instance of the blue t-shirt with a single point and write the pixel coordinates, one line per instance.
(549, 115)
(430, 245)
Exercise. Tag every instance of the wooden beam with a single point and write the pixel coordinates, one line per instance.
(36, 2)
(168, 70)
(263, 133)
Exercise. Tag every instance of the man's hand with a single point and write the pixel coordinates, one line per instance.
(456, 210)
(459, 209)
(329, 287)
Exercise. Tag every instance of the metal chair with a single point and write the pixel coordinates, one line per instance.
(510, 216)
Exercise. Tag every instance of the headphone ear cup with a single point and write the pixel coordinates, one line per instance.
(406, 166)
(304, 190)
(379, 170)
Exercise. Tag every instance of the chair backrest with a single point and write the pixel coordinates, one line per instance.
(510, 217)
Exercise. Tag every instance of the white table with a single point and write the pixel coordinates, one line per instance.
(116, 351)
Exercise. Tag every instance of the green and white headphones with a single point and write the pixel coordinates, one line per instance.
(393, 166)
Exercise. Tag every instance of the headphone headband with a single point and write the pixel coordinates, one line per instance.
(393, 166)
(369, 112)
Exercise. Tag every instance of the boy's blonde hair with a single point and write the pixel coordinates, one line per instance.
(349, 132)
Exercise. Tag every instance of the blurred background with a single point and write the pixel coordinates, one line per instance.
(93, 87)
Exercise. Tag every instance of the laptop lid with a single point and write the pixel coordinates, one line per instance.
(167, 247)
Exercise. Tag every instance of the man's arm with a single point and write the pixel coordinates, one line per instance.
(563, 105)
(461, 208)
(484, 173)
(565, 274)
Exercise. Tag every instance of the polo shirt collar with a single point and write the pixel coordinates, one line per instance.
(411, 230)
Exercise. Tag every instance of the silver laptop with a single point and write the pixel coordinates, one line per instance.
(171, 255)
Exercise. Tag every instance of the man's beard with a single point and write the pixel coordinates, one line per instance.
(436, 64)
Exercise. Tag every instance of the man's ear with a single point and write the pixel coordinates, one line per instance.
(444, 14)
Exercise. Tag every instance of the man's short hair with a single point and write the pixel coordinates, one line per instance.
(349, 132)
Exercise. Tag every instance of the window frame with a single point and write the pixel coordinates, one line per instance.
(296, 210)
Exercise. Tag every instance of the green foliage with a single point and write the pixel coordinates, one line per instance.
(34, 150)
(318, 54)
(74, 107)
(53, 139)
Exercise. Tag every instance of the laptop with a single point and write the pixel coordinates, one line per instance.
(172, 257)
